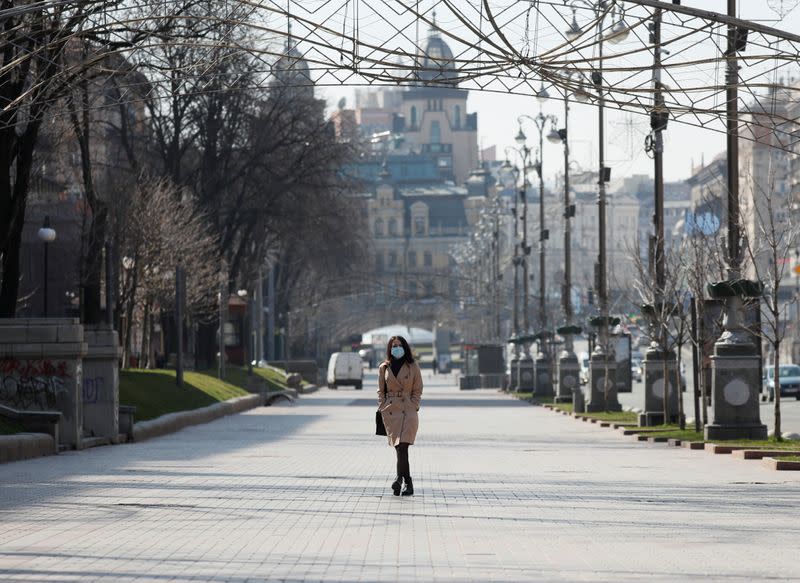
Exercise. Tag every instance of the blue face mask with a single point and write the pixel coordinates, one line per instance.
(398, 352)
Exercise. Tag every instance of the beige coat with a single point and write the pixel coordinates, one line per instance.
(400, 405)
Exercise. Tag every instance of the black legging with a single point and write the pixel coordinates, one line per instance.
(403, 470)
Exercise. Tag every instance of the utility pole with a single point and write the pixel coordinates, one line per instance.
(735, 364)
(568, 366)
(602, 367)
(659, 363)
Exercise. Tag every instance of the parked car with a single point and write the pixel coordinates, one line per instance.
(345, 368)
(789, 379)
(636, 370)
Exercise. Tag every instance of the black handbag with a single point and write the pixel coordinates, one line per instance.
(380, 428)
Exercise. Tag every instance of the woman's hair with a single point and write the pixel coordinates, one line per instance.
(407, 357)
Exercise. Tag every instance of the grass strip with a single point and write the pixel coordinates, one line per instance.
(615, 416)
(788, 458)
(154, 392)
(759, 443)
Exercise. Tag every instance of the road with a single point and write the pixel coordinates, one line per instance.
(505, 492)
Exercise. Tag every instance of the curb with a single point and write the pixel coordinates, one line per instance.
(172, 422)
(23, 446)
(778, 464)
(651, 436)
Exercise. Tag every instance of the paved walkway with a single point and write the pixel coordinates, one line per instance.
(506, 492)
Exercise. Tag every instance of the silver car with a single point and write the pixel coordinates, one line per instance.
(789, 380)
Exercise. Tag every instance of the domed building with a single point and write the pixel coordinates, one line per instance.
(436, 64)
(291, 76)
(434, 113)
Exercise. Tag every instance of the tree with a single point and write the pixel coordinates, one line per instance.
(769, 233)
(159, 227)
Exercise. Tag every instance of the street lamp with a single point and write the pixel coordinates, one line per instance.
(568, 366)
(46, 235)
(544, 383)
(525, 377)
(509, 175)
(602, 377)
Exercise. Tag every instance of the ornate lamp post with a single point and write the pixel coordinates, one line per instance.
(543, 376)
(509, 175)
(602, 377)
(46, 235)
(568, 366)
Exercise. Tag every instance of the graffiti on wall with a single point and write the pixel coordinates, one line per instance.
(92, 388)
(32, 384)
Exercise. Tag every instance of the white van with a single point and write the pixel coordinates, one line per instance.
(345, 368)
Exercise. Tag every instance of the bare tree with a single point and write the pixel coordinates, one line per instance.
(769, 234)
(702, 260)
(160, 227)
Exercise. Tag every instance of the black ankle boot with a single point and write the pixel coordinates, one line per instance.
(396, 485)
(409, 489)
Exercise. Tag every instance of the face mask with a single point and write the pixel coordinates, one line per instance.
(398, 352)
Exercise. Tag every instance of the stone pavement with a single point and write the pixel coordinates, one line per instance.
(506, 492)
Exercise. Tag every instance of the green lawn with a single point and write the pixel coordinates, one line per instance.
(789, 458)
(761, 443)
(675, 432)
(613, 416)
(9, 427)
(154, 392)
(275, 379)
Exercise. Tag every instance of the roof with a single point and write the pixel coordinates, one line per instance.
(445, 204)
(436, 62)
(412, 335)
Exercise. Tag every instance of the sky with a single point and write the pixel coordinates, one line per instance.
(684, 146)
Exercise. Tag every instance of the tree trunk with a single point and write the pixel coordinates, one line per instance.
(17, 197)
(777, 359)
(10, 285)
(145, 336)
(681, 416)
(665, 377)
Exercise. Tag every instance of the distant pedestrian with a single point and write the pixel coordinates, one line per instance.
(399, 394)
(435, 365)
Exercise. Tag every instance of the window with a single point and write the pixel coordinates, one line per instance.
(436, 132)
(457, 117)
(379, 262)
(412, 289)
(453, 289)
(413, 116)
(392, 227)
(392, 259)
(412, 258)
(378, 227)
(419, 225)
(428, 259)
(428, 289)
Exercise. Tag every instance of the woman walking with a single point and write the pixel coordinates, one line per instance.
(399, 394)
